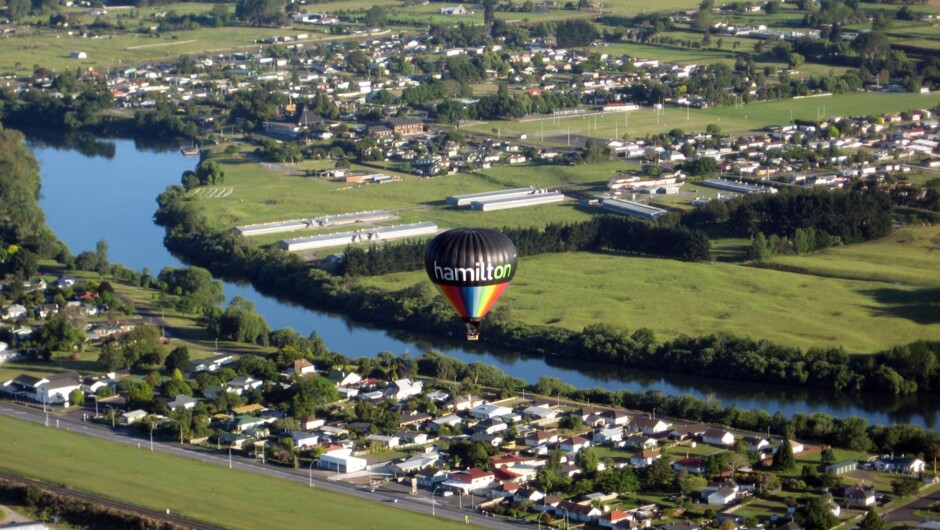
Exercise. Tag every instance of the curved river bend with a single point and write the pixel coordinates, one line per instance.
(106, 189)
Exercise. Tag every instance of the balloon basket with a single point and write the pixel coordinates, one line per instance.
(473, 331)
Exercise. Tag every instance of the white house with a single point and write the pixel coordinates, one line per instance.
(574, 444)
(906, 465)
(131, 417)
(469, 480)
(719, 496)
(484, 412)
(648, 426)
(182, 400)
(403, 389)
(859, 495)
(720, 437)
(303, 439)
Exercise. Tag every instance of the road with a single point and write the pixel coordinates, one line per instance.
(420, 503)
(906, 512)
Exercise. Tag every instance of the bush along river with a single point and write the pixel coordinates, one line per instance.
(105, 189)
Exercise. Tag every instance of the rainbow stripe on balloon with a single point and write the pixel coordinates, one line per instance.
(472, 303)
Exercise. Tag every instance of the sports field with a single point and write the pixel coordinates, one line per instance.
(673, 298)
(205, 492)
(731, 119)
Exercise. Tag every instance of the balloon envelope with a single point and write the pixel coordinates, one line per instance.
(472, 268)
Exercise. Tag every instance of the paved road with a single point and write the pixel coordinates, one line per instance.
(906, 512)
(420, 503)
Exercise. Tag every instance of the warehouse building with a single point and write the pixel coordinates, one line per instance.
(517, 202)
(633, 209)
(384, 233)
(737, 186)
(467, 200)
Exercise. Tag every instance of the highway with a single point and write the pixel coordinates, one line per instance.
(420, 503)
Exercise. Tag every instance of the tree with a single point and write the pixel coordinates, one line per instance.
(905, 486)
(623, 481)
(77, 397)
(61, 334)
(375, 17)
(210, 173)
(815, 514)
(178, 359)
(659, 475)
(783, 459)
(827, 456)
(795, 60)
(872, 521)
(587, 461)
(101, 255)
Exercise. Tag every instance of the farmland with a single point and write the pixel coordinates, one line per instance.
(674, 298)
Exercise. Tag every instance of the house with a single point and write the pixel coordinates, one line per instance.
(719, 437)
(301, 367)
(416, 463)
(574, 444)
(577, 512)
(527, 495)
(342, 378)
(454, 11)
(14, 311)
(645, 457)
(692, 464)
(547, 503)
(648, 426)
(462, 403)
(541, 438)
(490, 426)
(472, 479)
(310, 423)
(52, 390)
(430, 477)
(182, 400)
(859, 496)
(484, 412)
(406, 126)
(615, 518)
(541, 412)
(446, 421)
(905, 465)
(756, 444)
(388, 442)
(413, 418)
(210, 364)
(129, 418)
(302, 439)
(719, 496)
(403, 389)
(241, 384)
(605, 436)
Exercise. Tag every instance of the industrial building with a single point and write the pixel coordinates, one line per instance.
(737, 186)
(633, 209)
(342, 464)
(302, 224)
(272, 228)
(384, 233)
(467, 200)
(517, 202)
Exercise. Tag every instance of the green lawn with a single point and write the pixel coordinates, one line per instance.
(908, 257)
(674, 298)
(205, 492)
(730, 119)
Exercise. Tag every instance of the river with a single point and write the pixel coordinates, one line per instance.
(103, 189)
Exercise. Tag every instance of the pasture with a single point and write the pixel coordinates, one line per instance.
(731, 119)
(264, 193)
(205, 492)
(674, 298)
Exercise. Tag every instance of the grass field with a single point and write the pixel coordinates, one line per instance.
(674, 298)
(264, 195)
(229, 498)
(730, 119)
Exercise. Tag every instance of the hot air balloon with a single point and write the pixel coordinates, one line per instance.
(471, 267)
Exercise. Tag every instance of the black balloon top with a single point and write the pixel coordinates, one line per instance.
(471, 257)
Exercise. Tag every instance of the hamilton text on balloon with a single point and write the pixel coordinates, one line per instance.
(480, 272)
